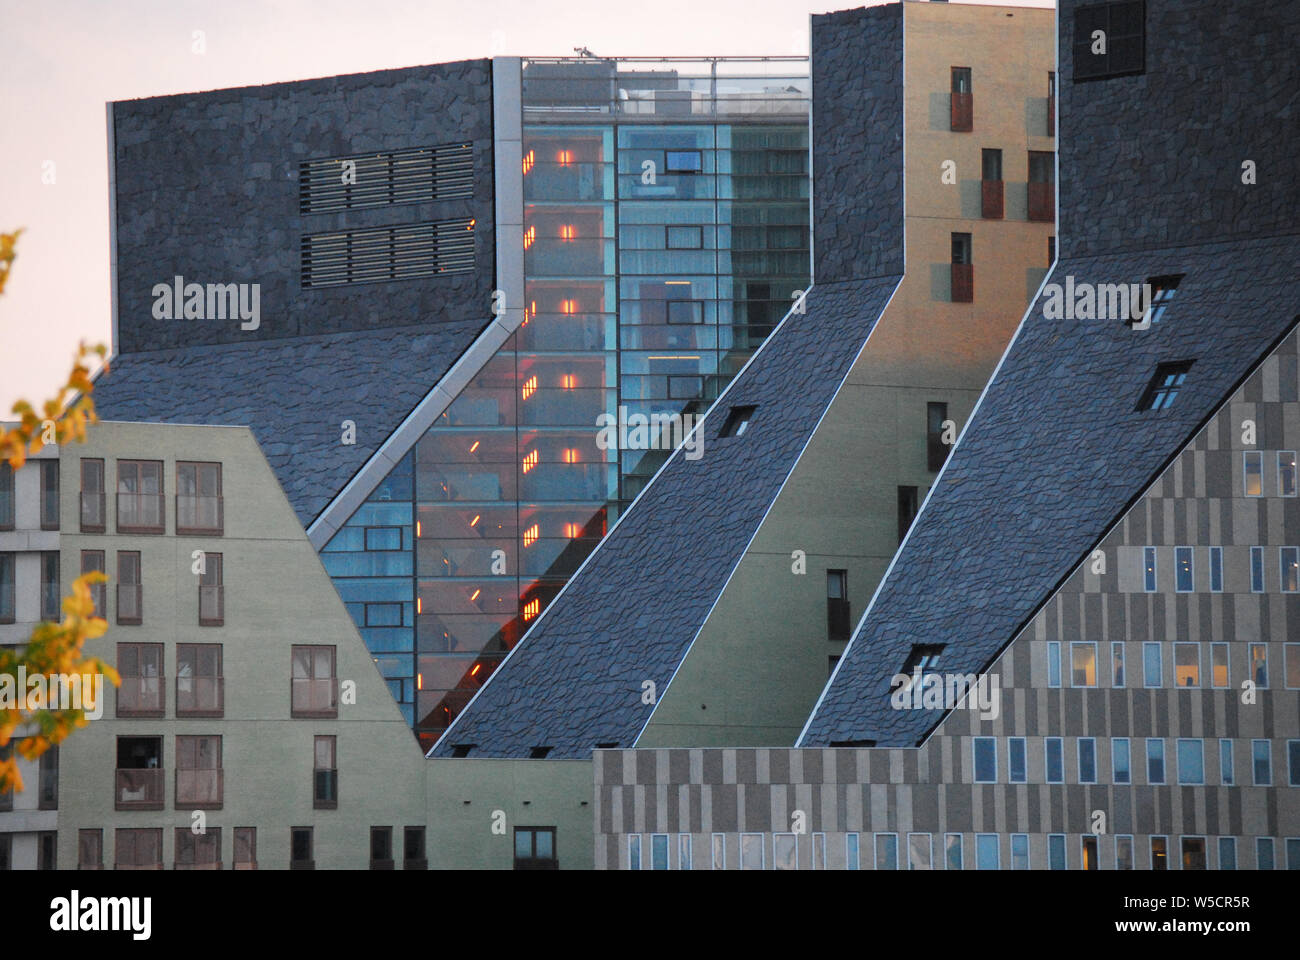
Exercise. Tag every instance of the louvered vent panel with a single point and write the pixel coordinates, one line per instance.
(388, 253)
(381, 179)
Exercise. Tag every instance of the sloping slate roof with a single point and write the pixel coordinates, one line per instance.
(631, 613)
(294, 394)
(1054, 455)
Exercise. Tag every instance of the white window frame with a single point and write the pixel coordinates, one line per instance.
(1148, 645)
(1028, 852)
(1084, 643)
(876, 850)
(1257, 583)
(852, 851)
(961, 851)
(1254, 777)
(1250, 663)
(762, 850)
(1289, 650)
(819, 851)
(1078, 758)
(634, 843)
(1047, 760)
(1295, 473)
(1191, 568)
(1164, 763)
(1246, 456)
(1065, 851)
(1150, 570)
(1232, 762)
(1083, 842)
(1218, 849)
(685, 861)
(974, 759)
(1128, 751)
(997, 848)
(1178, 753)
(929, 846)
(1292, 769)
(1197, 649)
(1223, 648)
(1216, 569)
(1193, 836)
(1053, 663)
(668, 851)
(1132, 851)
(1024, 755)
(1118, 646)
(1151, 854)
(776, 857)
(1281, 568)
(713, 850)
(1262, 843)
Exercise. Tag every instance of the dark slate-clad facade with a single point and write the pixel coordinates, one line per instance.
(1057, 449)
(207, 187)
(589, 671)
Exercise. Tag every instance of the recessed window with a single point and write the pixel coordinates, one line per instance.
(961, 116)
(1261, 755)
(852, 852)
(1187, 664)
(838, 622)
(325, 773)
(886, 851)
(952, 850)
(1252, 472)
(1088, 849)
(1056, 851)
(1149, 569)
(1219, 665)
(300, 849)
(1286, 473)
(907, 507)
(1227, 853)
(414, 856)
(199, 508)
(198, 773)
(1264, 853)
(1289, 569)
(1117, 664)
(684, 852)
(1054, 754)
(1159, 853)
(1162, 293)
(986, 759)
(936, 450)
(737, 421)
(140, 506)
(1191, 762)
(1258, 653)
(1256, 569)
(1226, 774)
(1193, 850)
(1083, 659)
(1165, 384)
(245, 849)
(683, 161)
(1124, 853)
(1017, 767)
(1152, 672)
(1184, 581)
(991, 188)
(199, 684)
(212, 591)
(920, 848)
(1155, 761)
(140, 667)
(1293, 763)
(963, 269)
(1120, 759)
(139, 849)
(538, 753)
(1053, 663)
(1087, 749)
(1216, 569)
(381, 848)
(313, 682)
(140, 781)
(1109, 40)
(923, 657)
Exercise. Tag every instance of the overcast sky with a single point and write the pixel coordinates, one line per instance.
(62, 60)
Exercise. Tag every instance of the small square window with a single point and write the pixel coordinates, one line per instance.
(1162, 292)
(737, 421)
(1165, 384)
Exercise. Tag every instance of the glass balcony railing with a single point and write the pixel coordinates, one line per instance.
(312, 697)
(130, 603)
(92, 512)
(199, 515)
(141, 513)
(140, 789)
(200, 696)
(201, 789)
(212, 605)
(141, 697)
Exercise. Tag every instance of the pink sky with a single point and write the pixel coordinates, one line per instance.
(62, 60)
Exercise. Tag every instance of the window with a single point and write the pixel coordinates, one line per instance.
(1124, 853)
(1226, 774)
(1054, 750)
(1087, 749)
(1159, 853)
(1151, 665)
(1149, 569)
(90, 849)
(1117, 664)
(658, 851)
(1119, 759)
(198, 773)
(139, 774)
(199, 685)
(1218, 665)
(314, 686)
(1292, 665)
(963, 269)
(8, 588)
(1187, 664)
(1252, 469)
(961, 119)
(1293, 853)
(51, 594)
(684, 852)
(137, 849)
(1286, 473)
(986, 759)
(1051, 251)
(837, 605)
(199, 508)
(130, 591)
(1261, 762)
(1083, 658)
(201, 851)
(1165, 383)
(784, 852)
(907, 507)
(48, 780)
(1293, 762)
(92, 495)
(923, 657)
(719, 851)
(1056, 851)
(381, 848)
(6, 496)
(1088, 850)
(140, 667)
(1256, 569)
(633, 851)
(1053, 663)
(751, 851)
(245, 855)
(1109, 40)
(886, 851)
(952, 848)
(47, 850)
(1191, 762)
(683, 161)
(737, 421)
(1183, 578)
(1289, 569)
(936, 450)
(1041, 188)
(92, 561)
(300, 849)
(852, 852)
(683, 310)
(325, 774)
(683, 238)
(1017, 767)
(919, 851)
(1051, 103)
(1259, 664)
(991, 202)
(986, 851)
(212, 592)
(1162, 292)
(49, 494)
(1227, 853)
(140, 497)
(1193, 850)
(1216, 569)
(1155, 761)
(414, 855)
(1264, 853)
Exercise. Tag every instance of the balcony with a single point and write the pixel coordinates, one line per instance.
(141, 697)
(200, 516)
(200, 697)
(130, 604)
(212, 605)
(1042, 201)
(963, 282)
(141, 513)
(325, 789)
(312, 697)
(139, 789)
(963, 111)
(92, 512)
(199, 789)
(991, 205)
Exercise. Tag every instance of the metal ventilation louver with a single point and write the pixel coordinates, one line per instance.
(380, 179)
(388, 253)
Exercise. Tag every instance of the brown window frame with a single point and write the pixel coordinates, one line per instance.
(49, 466)
(147, 778)
(992, 192)
(98, 591)
(192, 844)
(126, 587)
(312, 678)
(331, 780)
(185, 800)
(194, 678)
(199, 530)
(242, 834)
(160, 679)
(96, 836)
(963, 271)
(100, 495)
(413, 839)
(839, 623)
(534, 862)
(135, 834)
(962, 114)
(1042, 193)
(217, 589)
(158, 528)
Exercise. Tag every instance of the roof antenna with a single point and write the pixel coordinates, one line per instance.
(583, 52)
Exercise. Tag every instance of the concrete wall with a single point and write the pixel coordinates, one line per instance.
(207, 188)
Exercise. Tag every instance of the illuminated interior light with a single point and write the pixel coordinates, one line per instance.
(475, 446)
(530, 535)
(675, 357)
(530, 386)
(568, 306)
(418, 528)
(419, 681)
(529, 236)
(419, 604)
(532, 608)
(568, 232)
(475, 520)
(529, 159)
(530, 460)
(572, 531)
(677, 283)
(474, 596)
(472, 221)
(568, 381)
(564, 157)
(570, 455)
(477, 667)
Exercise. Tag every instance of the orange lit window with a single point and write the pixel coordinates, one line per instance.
(530, 460)
(568, 232)
(529, 236)
(475, 521)
(568, 306)
(419, 681)
(474, 596)
(572, 531)
(419, 604)
(564, 157)
(568, 381)
(530, 386)
(570, 455)
(532, 608)
(529, 159)
(471, 224)
(530, 535)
